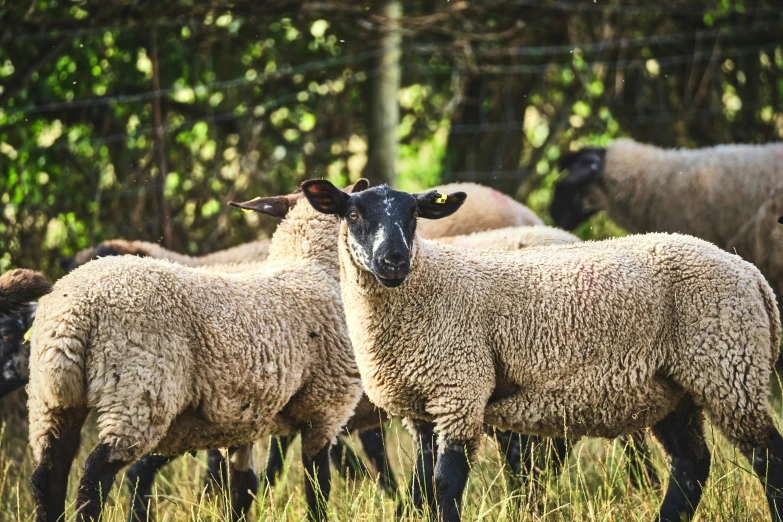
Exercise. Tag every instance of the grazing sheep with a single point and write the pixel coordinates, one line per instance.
(486, 209)
(588, 339)
(760, 241)
(708, 193)
(245, 253)
(176, 359)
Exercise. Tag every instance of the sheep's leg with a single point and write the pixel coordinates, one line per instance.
(372, 440)
(97, 478)
(451, 476)
(50, 479)
(217, 472)
(767, 460)
(317, 480)
(640, 466)
(422, 489)
(681, 433)
(141, 476)
(278, 447)
(242, 480)
(345, 459)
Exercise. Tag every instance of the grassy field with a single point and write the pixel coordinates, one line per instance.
(594, 486)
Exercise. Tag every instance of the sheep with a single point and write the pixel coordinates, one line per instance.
(247, 252)
(511, 238)
(588, 339)
(487, 209)
(19, 287)
(708, 193)
(176, 359)
(760, 239)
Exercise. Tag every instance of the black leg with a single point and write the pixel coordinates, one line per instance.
(422, 491)
(50, 479)
(768, 463)
(97, 478)
(451, 475)
(242, 481)
(372, 440)
(217, 472)
(511, 445)
(640, 465)
(346, 461)
(141, 476)
(317, 483)
(278, 447)
(681, 434)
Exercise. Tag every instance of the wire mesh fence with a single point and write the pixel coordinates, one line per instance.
(255, 100)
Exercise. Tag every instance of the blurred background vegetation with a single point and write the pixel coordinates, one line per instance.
(139, 119)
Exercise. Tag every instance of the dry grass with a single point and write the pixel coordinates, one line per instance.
(594, 486)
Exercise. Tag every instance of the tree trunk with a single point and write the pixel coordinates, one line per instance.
(384, 113)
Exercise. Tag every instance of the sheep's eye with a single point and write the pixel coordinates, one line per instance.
(353, 215)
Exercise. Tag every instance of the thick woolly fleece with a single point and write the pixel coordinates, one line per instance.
(760, 240)
(176, 359)
(244, 253)
(485, 209)
(597, 338)
(708, 193)
(511, 238)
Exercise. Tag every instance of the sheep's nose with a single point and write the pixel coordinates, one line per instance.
(395, 263)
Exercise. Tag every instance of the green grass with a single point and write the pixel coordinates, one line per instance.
(594, 486)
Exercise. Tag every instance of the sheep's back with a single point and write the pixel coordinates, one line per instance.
(708, 193)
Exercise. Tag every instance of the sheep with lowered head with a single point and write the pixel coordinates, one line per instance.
(175, 359)
(250, 252)
(588, 339)
(708, 193)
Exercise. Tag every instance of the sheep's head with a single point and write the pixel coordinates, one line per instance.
(573, 201)
(381, 223)
(14, 352)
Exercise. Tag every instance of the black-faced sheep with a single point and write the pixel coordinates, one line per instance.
(708, 193)
(597, 338)
(235, 357)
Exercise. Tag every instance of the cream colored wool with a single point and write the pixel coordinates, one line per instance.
(597, 338)
(485, 209)
(511, 238)
(708, 193)
(760, 241)
(247, 252)
(176, 359)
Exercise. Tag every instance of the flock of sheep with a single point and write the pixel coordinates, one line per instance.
(455, 309)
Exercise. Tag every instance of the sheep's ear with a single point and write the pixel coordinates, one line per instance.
(362, 184)
(434, 205)
(275, 206)
(325, 197)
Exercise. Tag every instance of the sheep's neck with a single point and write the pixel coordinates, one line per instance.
(629, 197)
(306, 235)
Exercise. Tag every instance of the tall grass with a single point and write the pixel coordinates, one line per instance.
(594, 485)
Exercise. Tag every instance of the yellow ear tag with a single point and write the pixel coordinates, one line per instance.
(247, 210)
(26, 337)
(441, 198)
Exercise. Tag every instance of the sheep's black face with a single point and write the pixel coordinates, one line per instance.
(568, 205)
(381, 223)
(14, 354)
